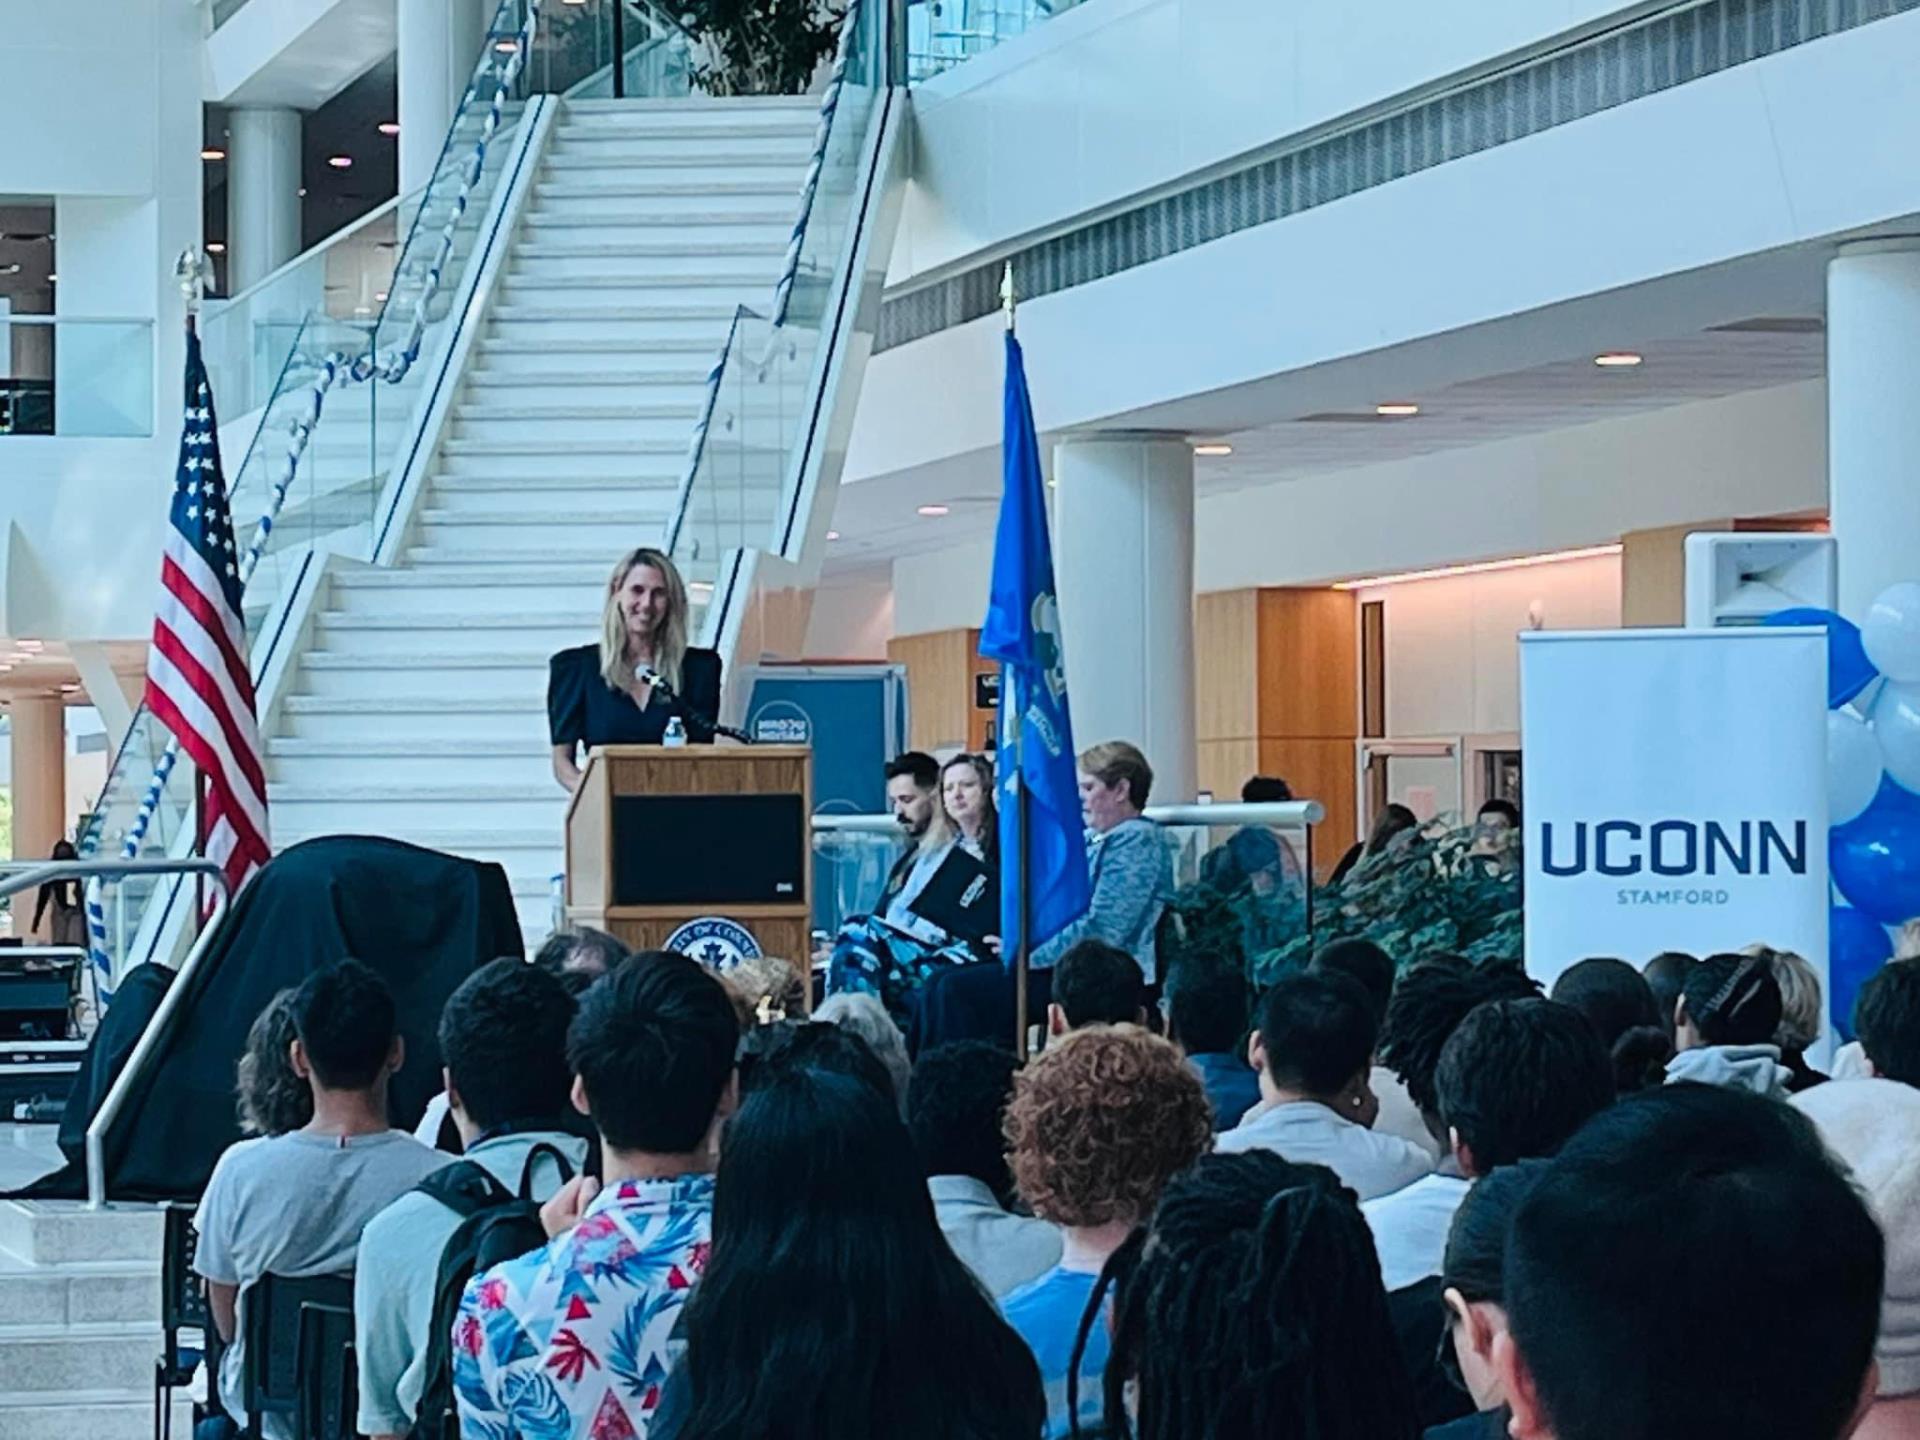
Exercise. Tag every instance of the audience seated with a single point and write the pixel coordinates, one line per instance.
(1313, 1051)
(863, 1015)
(1207, 1015)
(576, 957)
(1666, 976)
(503, 1040)
(270, 1098)
(1873, 1128)
(1803, 1013)
(1693, 1264)
(573, 1339)
(1098, 1125)
(1369, 965)
(833, 1309)
(956, 1113)
(1096, 984)
(1620, 1005)
(1515, 1080)
(1251, 1306)
(1428, 1004)
(294, 1205)
(1886, 1017)
(1724, 1027)
(1474, 1291)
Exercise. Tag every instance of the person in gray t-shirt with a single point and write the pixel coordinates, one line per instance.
(293, 1205)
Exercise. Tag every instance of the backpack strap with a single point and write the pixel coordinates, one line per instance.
(545, 1150)
(465, 1187)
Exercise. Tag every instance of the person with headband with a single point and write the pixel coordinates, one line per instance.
(1725, 1025)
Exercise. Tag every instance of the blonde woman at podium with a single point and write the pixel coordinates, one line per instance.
(641, 676)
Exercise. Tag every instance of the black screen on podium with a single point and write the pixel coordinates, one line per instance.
(708, 849)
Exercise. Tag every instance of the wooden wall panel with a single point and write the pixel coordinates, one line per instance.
(1309, 664)
(1224, 766)
(1318, 770)
(1653, 574)
(939, 686)
(1226, 668)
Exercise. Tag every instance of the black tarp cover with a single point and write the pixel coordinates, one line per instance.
(422, 919)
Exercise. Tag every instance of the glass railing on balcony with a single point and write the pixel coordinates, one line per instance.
(944, 33)
(78, 378)
(1240, 875)
(770, 380)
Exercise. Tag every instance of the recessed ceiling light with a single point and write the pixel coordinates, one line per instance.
(1396, 409)
(506, 47)
(53, 279)
(1618, 360)
(31, 645)
(831, 534)
(340, 162)
(214, 247)
(213, 152)
(389, 127)
(301, 192)
(363, 309)
(69, 689)
(1213, 449)
(934, 510)
(381, 296)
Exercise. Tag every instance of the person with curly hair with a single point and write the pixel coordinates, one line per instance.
(1428, 1004)
(1097, 1127)
(270, 1097)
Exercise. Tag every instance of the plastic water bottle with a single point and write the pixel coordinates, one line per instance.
(676, 734)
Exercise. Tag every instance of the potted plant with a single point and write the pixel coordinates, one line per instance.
(759, 47)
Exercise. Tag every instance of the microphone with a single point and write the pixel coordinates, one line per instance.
(649, 676)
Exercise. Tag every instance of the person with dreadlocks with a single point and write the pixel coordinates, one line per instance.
(1096, 1128)
(1724, 1027)
(1428, 1004)
(1251, 1309)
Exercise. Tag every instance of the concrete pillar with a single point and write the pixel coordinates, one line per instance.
(1123, 558)
(38, 725)
(263, 194)
(1873, 425)
(439, 45)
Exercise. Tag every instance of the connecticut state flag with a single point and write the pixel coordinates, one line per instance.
(1036, 753)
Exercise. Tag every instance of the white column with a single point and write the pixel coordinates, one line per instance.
(439, 45)
(1123, 556)
(263, 194)
(1873, 424)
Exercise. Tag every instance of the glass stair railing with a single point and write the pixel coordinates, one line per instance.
(345, 397)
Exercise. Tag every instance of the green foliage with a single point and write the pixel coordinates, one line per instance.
(1427, 893)
(759, 47)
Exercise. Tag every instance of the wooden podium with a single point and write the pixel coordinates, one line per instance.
(706, 843)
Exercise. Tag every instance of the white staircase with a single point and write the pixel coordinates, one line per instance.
(79, 1322)
(418, 707)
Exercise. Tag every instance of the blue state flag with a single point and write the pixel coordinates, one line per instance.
(1036, 750)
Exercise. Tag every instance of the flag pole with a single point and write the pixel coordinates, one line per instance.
(1021, 960)
(193, 269)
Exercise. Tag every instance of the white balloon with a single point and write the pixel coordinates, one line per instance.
(1891, 633)
(1896, 725)
(1853, 766)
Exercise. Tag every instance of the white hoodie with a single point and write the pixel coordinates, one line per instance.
(1755, 1068)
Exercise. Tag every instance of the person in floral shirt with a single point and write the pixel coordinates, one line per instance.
(571, 1342)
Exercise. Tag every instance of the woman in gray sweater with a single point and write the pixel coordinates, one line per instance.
(1127, 856)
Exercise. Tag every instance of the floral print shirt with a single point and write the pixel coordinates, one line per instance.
(571, 1342)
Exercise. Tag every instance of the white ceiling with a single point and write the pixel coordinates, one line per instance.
(877, 520)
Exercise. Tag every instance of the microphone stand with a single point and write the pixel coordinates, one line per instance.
(698, 716)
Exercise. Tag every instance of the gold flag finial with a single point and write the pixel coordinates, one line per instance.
(1006, 294)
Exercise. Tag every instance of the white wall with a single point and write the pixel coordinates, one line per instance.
(1758, 454)
(103, 101)
(851, 619)
(1116, 97)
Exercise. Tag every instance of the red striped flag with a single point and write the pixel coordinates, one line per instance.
(198, 680)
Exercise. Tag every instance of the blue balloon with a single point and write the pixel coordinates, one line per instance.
(1856, 947)
(1848, 669)
(1875, 857)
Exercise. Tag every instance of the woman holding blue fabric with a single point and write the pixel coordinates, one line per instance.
(641, 675)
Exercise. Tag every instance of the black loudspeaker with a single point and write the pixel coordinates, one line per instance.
(33, 1005)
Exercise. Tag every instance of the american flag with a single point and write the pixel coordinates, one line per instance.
(198, 682)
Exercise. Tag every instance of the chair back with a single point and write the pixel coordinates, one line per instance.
(328, 1374)
(270, 1310)
(183, 1303)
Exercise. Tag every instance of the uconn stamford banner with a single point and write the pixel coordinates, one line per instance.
(1676, 793)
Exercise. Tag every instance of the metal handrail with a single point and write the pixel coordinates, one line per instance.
(37, 874)
(1298, 813)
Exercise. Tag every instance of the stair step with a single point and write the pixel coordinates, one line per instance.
(416, 720)
(538, 573)
(499, 760)
(35, 1359)
(641, 249)
(525, 311)
(706, 187)
(489, 378)
(53, 1232)
(82, 1292)
(93, 1414)
(572, 410)
(682, 222)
